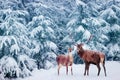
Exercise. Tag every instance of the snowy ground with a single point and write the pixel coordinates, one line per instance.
(113, 73)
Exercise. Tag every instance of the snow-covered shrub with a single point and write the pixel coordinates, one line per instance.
(1, 74)
(2, 77)
(25, 73)
(50, 60)
(46, 60)
(48, 64)
(114, 52)
(22, 68)
(9, 67)
(26, 65)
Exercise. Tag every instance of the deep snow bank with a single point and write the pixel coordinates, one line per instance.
(78, 70)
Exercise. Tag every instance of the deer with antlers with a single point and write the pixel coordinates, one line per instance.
(91, 57)
(65, 60)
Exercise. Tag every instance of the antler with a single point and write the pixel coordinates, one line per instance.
(89, 38)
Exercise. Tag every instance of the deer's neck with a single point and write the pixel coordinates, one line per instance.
(70, 57)
(70, 54)
(81, 52)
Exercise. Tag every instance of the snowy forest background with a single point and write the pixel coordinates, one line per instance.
(34, 32)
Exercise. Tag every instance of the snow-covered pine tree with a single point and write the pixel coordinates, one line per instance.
(42, 31)
(14, 42)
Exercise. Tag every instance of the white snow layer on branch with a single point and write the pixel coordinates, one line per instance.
(26, 64)
(67, 39)
(80, 28)
(15, 48)
(79, 2)
(5, 39)
(71, 22)
(9, 65)
(36, 30)
(107, 14)
(86, 35)
(91, 22)
(51, 45)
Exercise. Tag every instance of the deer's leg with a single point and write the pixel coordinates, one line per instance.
(67, 69)
(71, 71)
(104, 68)
(98, 66)
(85, 68)
(59, 66)
(88, 68)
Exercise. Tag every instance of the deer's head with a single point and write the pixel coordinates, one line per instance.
(79, 47)
(70, 49)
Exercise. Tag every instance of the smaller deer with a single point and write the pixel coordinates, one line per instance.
(91, 57)
(65, 60)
